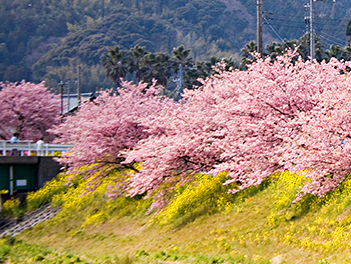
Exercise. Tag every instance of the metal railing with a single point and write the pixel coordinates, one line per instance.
(28, 148)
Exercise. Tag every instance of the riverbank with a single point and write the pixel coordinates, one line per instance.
(202, 224)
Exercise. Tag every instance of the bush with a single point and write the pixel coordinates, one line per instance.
(12, 208)
(205, 194)
(44, 195)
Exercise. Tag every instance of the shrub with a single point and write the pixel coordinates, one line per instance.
(205, 194)
(44, 195)
(12, 208)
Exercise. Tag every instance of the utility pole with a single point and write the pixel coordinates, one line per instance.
(312, 31)
(259, 26)
(309, 20)
(68, 95)
(78, 85)
(61, 92)
(179, 79)
(312, 52)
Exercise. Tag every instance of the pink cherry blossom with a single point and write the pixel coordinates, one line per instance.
(27, 109)
(252, 124)
(106, 128)
(282, 115)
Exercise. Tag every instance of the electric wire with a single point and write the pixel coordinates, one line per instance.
(288, 25)
(276, 33)
(326, 43)
(322, 32)
(336, 41)
(302, 22)
(327, 20)
(284, 18)
(276, 17)
(329, 43)
(325, 28)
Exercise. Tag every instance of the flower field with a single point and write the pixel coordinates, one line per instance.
(202, 223)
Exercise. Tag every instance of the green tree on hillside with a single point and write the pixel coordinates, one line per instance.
(115, 64)
(182, 56)
(246, 57)
(348, 29)
(335, 51)
(156, 66)
(275, 49)
(137, 53)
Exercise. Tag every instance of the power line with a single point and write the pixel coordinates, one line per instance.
(286, 20)
(276, 33)
(276, 17)
(309, 19)
(290, 26)
(331, 39)
(299, 21)
(323, 32)
(294, 16)
(326, 43)
(328, 22)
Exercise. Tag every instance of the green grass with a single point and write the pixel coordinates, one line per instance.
(201, 224)
(16, 251)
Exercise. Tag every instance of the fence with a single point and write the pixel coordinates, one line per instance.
(28, 147)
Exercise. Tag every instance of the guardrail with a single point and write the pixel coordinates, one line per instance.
(28, 147)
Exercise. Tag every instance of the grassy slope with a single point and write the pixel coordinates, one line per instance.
(254, 226)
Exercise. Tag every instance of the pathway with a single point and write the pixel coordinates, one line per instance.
(40, 215)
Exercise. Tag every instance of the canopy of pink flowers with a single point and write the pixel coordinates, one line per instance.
(275, 116)
(28, 110)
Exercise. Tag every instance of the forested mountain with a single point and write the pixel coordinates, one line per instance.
(48, 39)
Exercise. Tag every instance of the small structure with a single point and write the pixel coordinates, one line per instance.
(70, 101)
(26, 171)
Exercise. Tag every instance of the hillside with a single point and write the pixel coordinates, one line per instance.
(201, 224)
(47, 39)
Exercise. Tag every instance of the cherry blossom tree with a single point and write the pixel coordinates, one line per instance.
(28, 110)
(104, 129)
(252, 124)
(282, 115)
(291, 103)
(323, 148)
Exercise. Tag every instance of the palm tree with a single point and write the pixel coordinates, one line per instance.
(134, 65)
(163, 66)
(115, 64)
(156, 66)
(181, 56)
